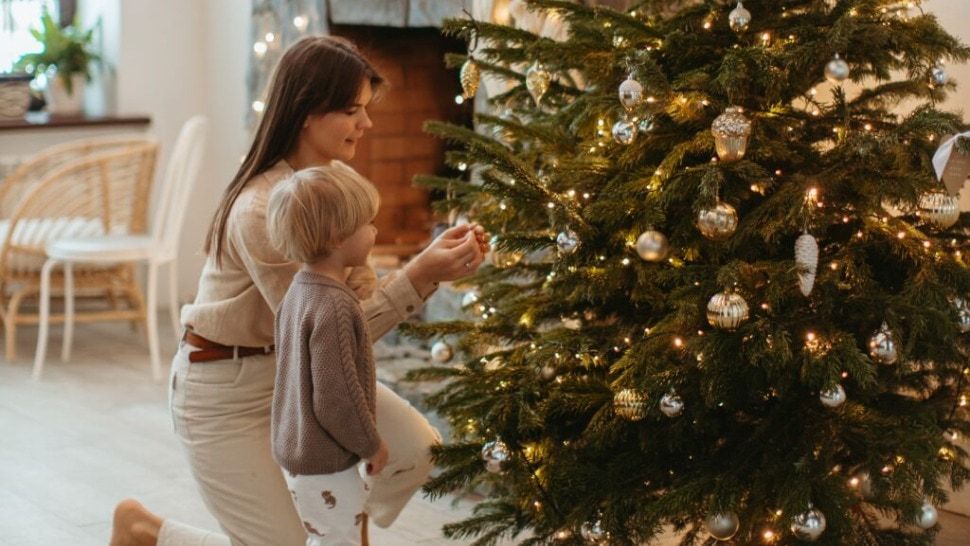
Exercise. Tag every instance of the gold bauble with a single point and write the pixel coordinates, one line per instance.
(939, 209)
(727, 310)
(718, 223)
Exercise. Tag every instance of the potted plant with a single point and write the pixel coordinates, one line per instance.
(65, 60)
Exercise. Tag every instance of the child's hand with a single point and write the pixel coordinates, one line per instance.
(377, 463)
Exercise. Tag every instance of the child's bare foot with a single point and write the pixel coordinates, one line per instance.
(134, 525)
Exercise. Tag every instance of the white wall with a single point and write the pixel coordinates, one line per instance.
(172, 60)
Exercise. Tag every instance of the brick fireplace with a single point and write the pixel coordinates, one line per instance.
(396, 149)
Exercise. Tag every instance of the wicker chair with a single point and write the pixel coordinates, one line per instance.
(80, 189)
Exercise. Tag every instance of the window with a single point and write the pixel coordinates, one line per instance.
(17, 17)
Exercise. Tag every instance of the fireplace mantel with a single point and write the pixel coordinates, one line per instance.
(395, 13)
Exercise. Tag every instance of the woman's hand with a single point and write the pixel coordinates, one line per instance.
(456, 253)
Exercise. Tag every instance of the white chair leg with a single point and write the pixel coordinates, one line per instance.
(151, 323)
(173, 299)
(68, 342)
(44, 319)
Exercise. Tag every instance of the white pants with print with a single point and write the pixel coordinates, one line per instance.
(221, 411)
(331, 506)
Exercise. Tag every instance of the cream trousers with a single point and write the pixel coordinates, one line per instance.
(221, 412)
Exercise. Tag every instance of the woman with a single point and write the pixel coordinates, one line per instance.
(222, 376)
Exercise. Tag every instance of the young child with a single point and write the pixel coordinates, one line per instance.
(323, 427)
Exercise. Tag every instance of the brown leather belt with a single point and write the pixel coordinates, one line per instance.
(210, 351)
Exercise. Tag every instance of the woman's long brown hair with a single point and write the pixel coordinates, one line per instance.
(316, 75)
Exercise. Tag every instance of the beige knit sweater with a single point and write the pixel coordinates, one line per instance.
(324, 417)
(236, 303)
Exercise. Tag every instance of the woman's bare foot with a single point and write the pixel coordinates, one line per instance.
(133, 525)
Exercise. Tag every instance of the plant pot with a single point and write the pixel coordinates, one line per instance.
(58, 99)
(14, 95)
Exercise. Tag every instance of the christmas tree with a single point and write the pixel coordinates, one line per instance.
(728, 293)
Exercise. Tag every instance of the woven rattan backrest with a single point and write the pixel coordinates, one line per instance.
(41, 164)
(98, 194)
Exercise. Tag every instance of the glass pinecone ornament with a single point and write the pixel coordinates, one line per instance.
(808, 526)
(882, 346)
(671, 404)
(739, 19)
(806, 257)
(939, 208)
(624, 132)
(928, 516)
(470, 76)
(718, 223)
(833, 397)
(630, 404)
(731, 131)
(727, 310)
(652, 246)
(963, 314)
(496, 456)
(537, 81)
(593, 532)
(567, 241)
(837, 70)
(631, 93)
(938, 75)
(646, 124)
(504, 258)
(723, 525)
(547, 372)
(441, 352)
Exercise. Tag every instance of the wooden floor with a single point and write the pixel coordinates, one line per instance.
(96, 430)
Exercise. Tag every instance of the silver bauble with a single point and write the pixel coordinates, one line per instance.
(624, 132)
(837, 70)
(441, 352)
(739, 18)
(593, 532)
(731, 131)
(567, 241)
(808, 526)
(928, 516)
(631, 93)
(939, 208)
(470, 76)
(547, 372)
(727, 310)
(938, 75)
(537, 81)
(671, 404)
(882, 346)
(504, 258)
(652, 246)
(723, 525)
(718, 223)
(496, 456)
(630, 404)
(806, 257)
(470, 298)
(832, 398)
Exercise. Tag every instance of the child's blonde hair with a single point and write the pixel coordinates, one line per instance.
(315, 209)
